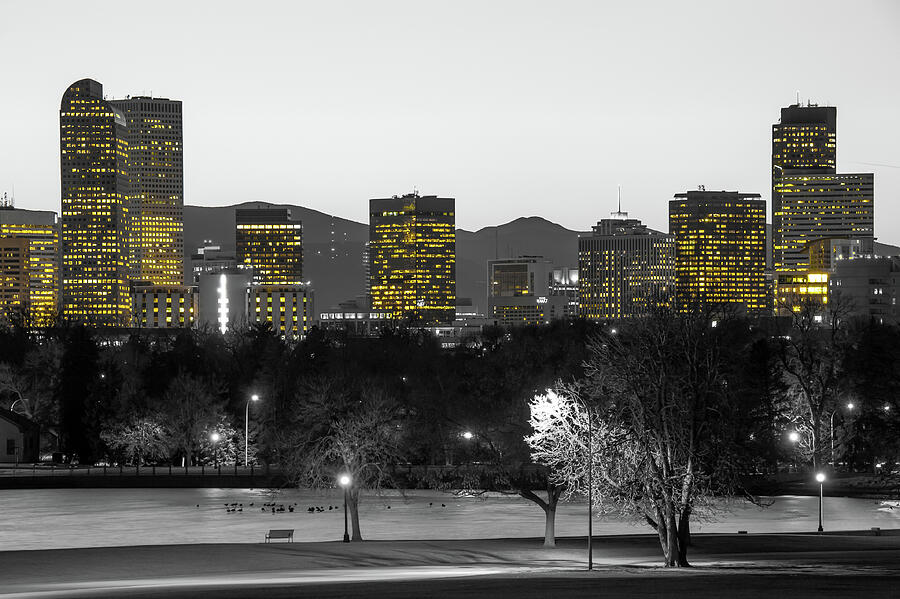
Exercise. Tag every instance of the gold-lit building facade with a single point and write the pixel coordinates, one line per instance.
(269, 243)
(289, 309)
(153, 131)
(412, 257)
(817, 206)
(624, 269)
(94, 218)
(806, 290)
(13, 277)
(720, 253)
(40, 228)
(164, 306)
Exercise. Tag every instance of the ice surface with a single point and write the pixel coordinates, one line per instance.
(62, 518)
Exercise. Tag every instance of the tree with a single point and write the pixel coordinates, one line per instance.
(189, 411)
(139, 440)
(340, 432)
(810, 359)
(663, 444)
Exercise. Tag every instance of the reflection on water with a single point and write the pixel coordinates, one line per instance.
(57, 518)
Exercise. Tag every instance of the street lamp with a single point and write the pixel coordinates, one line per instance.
(849, 407)
(794, 436)
(467, 435)
(820, 477)
(215, 440)
(344, 480)
(253, 397)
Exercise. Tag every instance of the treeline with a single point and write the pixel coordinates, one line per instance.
(152, 398)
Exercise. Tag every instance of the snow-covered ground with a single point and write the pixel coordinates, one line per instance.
(65, 518)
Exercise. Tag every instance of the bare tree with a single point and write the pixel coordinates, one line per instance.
(810, 358)
(662, 442)
(139, 440)
(337, 434)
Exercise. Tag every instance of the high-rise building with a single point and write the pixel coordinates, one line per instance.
(817, 206)
(805, 138)
(720, 254)
(94, 193)
(40, 228)
(624, 269)
(813, 204)
(412, 250)
(153, 131)
(270, 244)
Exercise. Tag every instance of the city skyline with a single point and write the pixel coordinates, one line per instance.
(503, 111)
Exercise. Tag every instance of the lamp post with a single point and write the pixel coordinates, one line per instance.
(253, 397)
(849, 407)
(590, 488)
(344, 480)
(820, 477)
(215, 440)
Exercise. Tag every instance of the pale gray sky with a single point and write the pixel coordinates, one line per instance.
(514, 108)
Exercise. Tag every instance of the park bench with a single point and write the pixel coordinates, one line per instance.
(280, 533)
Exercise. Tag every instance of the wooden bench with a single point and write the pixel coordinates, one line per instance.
(280, 533)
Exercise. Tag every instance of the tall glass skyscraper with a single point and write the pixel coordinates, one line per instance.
(153, 131)
(94, 192)
(412, 253)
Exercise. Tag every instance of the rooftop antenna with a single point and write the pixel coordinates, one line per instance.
(618, 213)
(798, 97)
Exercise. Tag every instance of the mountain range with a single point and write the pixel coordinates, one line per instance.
(333, 248)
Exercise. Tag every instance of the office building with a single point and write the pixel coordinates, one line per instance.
(625, 269)
(13, 278)
(868, 287)
(153, 132)
(412, 252)
(720, 254)
(288, 308)
(210, 258)
(818, 206)
(164, 306)
(519, 292)
(813, 205)
(223, 302)
(94, 218)
(40, 229)
(269, 243)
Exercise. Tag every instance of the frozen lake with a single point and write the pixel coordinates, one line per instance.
(64, 518)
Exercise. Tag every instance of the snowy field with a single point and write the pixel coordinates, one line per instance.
(68, 518)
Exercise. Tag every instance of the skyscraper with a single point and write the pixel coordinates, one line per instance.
(624, 269)
(720, 254)
(156, 189)
(812, 202)
(412, 252)
(40, 230)
(815, 206)
(94, 193)
(271, 244)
